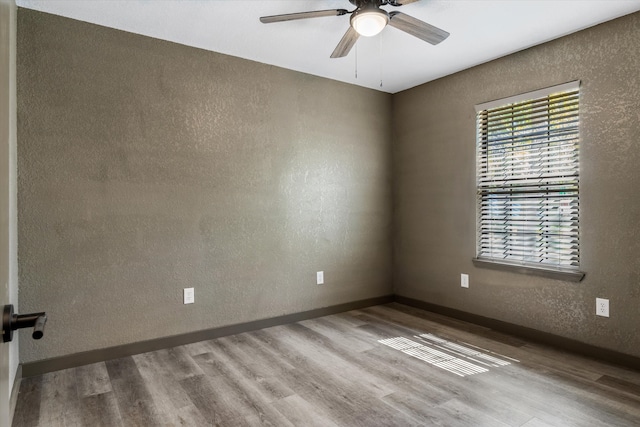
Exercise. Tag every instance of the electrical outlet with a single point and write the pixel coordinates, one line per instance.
(189, 296)
(602, 307)
(464, 280)
(320, 278)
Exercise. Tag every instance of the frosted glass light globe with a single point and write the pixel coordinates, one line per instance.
(370, 21)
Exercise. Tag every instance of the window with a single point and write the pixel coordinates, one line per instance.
(528, 178)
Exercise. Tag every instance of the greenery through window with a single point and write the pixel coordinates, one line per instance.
(528, 179)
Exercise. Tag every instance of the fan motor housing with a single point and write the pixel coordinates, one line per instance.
(361, 3)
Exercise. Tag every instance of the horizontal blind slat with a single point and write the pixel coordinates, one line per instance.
(527, 122)
(540, 138)
(571, 126)
(519, 105)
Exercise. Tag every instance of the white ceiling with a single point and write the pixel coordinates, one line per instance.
(481, 30)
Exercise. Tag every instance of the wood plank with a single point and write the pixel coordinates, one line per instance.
(248, 396)
(535, 422)
(459, 413)
(134, 400)
(213, 398)
(92, 379)
(620, 384)
(60, 405)
(595, 367)
(346, 318)
(420, 409)
(189, 416)
(27, 412)
(340, 334)
(330, 359)
(161, 383)
(302, 413)
(261, 377)
(265, 363)
(100, 410)
(178, 361)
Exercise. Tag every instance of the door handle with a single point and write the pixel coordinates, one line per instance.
(12, 321)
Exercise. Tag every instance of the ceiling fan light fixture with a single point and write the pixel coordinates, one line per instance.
(369, 21)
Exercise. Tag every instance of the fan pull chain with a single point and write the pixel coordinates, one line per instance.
(356, 61)
(380, 56)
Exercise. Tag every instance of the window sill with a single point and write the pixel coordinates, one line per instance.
(550, 273)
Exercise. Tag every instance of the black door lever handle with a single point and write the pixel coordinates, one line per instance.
(12, 321)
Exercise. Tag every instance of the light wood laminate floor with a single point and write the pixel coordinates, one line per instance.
(429, 370)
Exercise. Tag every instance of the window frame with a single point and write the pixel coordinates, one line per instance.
(544, 270)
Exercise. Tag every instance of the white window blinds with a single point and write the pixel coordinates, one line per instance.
(528, 178)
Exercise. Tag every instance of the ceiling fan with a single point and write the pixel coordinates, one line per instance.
(368, 19)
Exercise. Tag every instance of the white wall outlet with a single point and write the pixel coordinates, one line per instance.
(189, 296)
(602, 307)
(464, 280)
(320, 278)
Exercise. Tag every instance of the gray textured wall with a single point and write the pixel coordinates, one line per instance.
(146, 167)
(434, 182)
